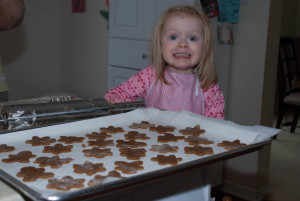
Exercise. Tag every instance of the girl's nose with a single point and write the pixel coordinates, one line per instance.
(182, 44)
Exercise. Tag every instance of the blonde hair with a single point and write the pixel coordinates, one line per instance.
(205, 70)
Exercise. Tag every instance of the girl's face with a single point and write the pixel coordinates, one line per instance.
(182, 42)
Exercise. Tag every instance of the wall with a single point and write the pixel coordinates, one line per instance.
(248, 56)
(55, 50)
(30, 53)
(252, 92)
(84, 47)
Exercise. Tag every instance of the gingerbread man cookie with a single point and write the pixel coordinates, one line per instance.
(5, 148)
(169, 137)
(21, 157)
(65, 183)
(57, 149)
(37, 141)
(134, 135)
(164, 160)
(101, 143)
(231, 145)
(97, 152)
(70, 139)
(195, 140)
(198, 150)
(112, 129)
(53, 162)
(133, 154)
(130, 144)
(164, 148)
(129, 168)
(162, 129)
(95, 135)
(89, 168)
(196, 131)
(30, 174)
(141, 125)
(98, 179)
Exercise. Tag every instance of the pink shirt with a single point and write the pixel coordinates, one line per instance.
(183, 93)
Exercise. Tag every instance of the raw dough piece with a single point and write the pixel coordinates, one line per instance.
(164, 148)
(21, 157)
(97, 152)
(57, 149)
(231, 145)
(134, 135)
(70, 139)
(169, 137)
(196, 131)
(129, 168)
(130, 144)
(99, 178)
(133, 154)
(162, 129)
(141, 125)
(198, 150)
(89, 168)
(37, 141)
(195, 140)
(95, 135)
(5, 148)
(53, 162)
(31, 173)
(65, 183)
(101, 143)
(112, 129)
(164, 160)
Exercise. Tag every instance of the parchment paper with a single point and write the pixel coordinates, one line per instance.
(216, 130)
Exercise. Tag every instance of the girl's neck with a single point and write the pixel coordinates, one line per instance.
(174, 70)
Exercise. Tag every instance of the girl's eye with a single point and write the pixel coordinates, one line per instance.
(193, 38)
(173, 37)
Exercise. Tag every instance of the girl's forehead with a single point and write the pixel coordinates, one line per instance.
(182, 15)
(173, 18)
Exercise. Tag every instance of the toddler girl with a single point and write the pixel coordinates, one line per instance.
(183, 75)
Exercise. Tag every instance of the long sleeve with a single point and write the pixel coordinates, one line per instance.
(214, 102)
(136, 86)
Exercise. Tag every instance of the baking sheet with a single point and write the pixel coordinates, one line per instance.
(216, 130)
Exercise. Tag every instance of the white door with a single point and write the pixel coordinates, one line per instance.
(127, 19)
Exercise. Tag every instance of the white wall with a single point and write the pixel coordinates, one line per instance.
(248, 56)
(252, 92)
(55, 50)
(84, 50)
(30, 53)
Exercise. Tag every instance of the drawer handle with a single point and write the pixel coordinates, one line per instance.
(144, 56)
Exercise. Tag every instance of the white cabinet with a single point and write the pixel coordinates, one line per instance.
(131, 23)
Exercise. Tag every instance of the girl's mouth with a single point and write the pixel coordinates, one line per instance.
(182, 55)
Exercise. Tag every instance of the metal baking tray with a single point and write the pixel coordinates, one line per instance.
(215, 130)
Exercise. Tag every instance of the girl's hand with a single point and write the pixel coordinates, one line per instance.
(111, 102)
